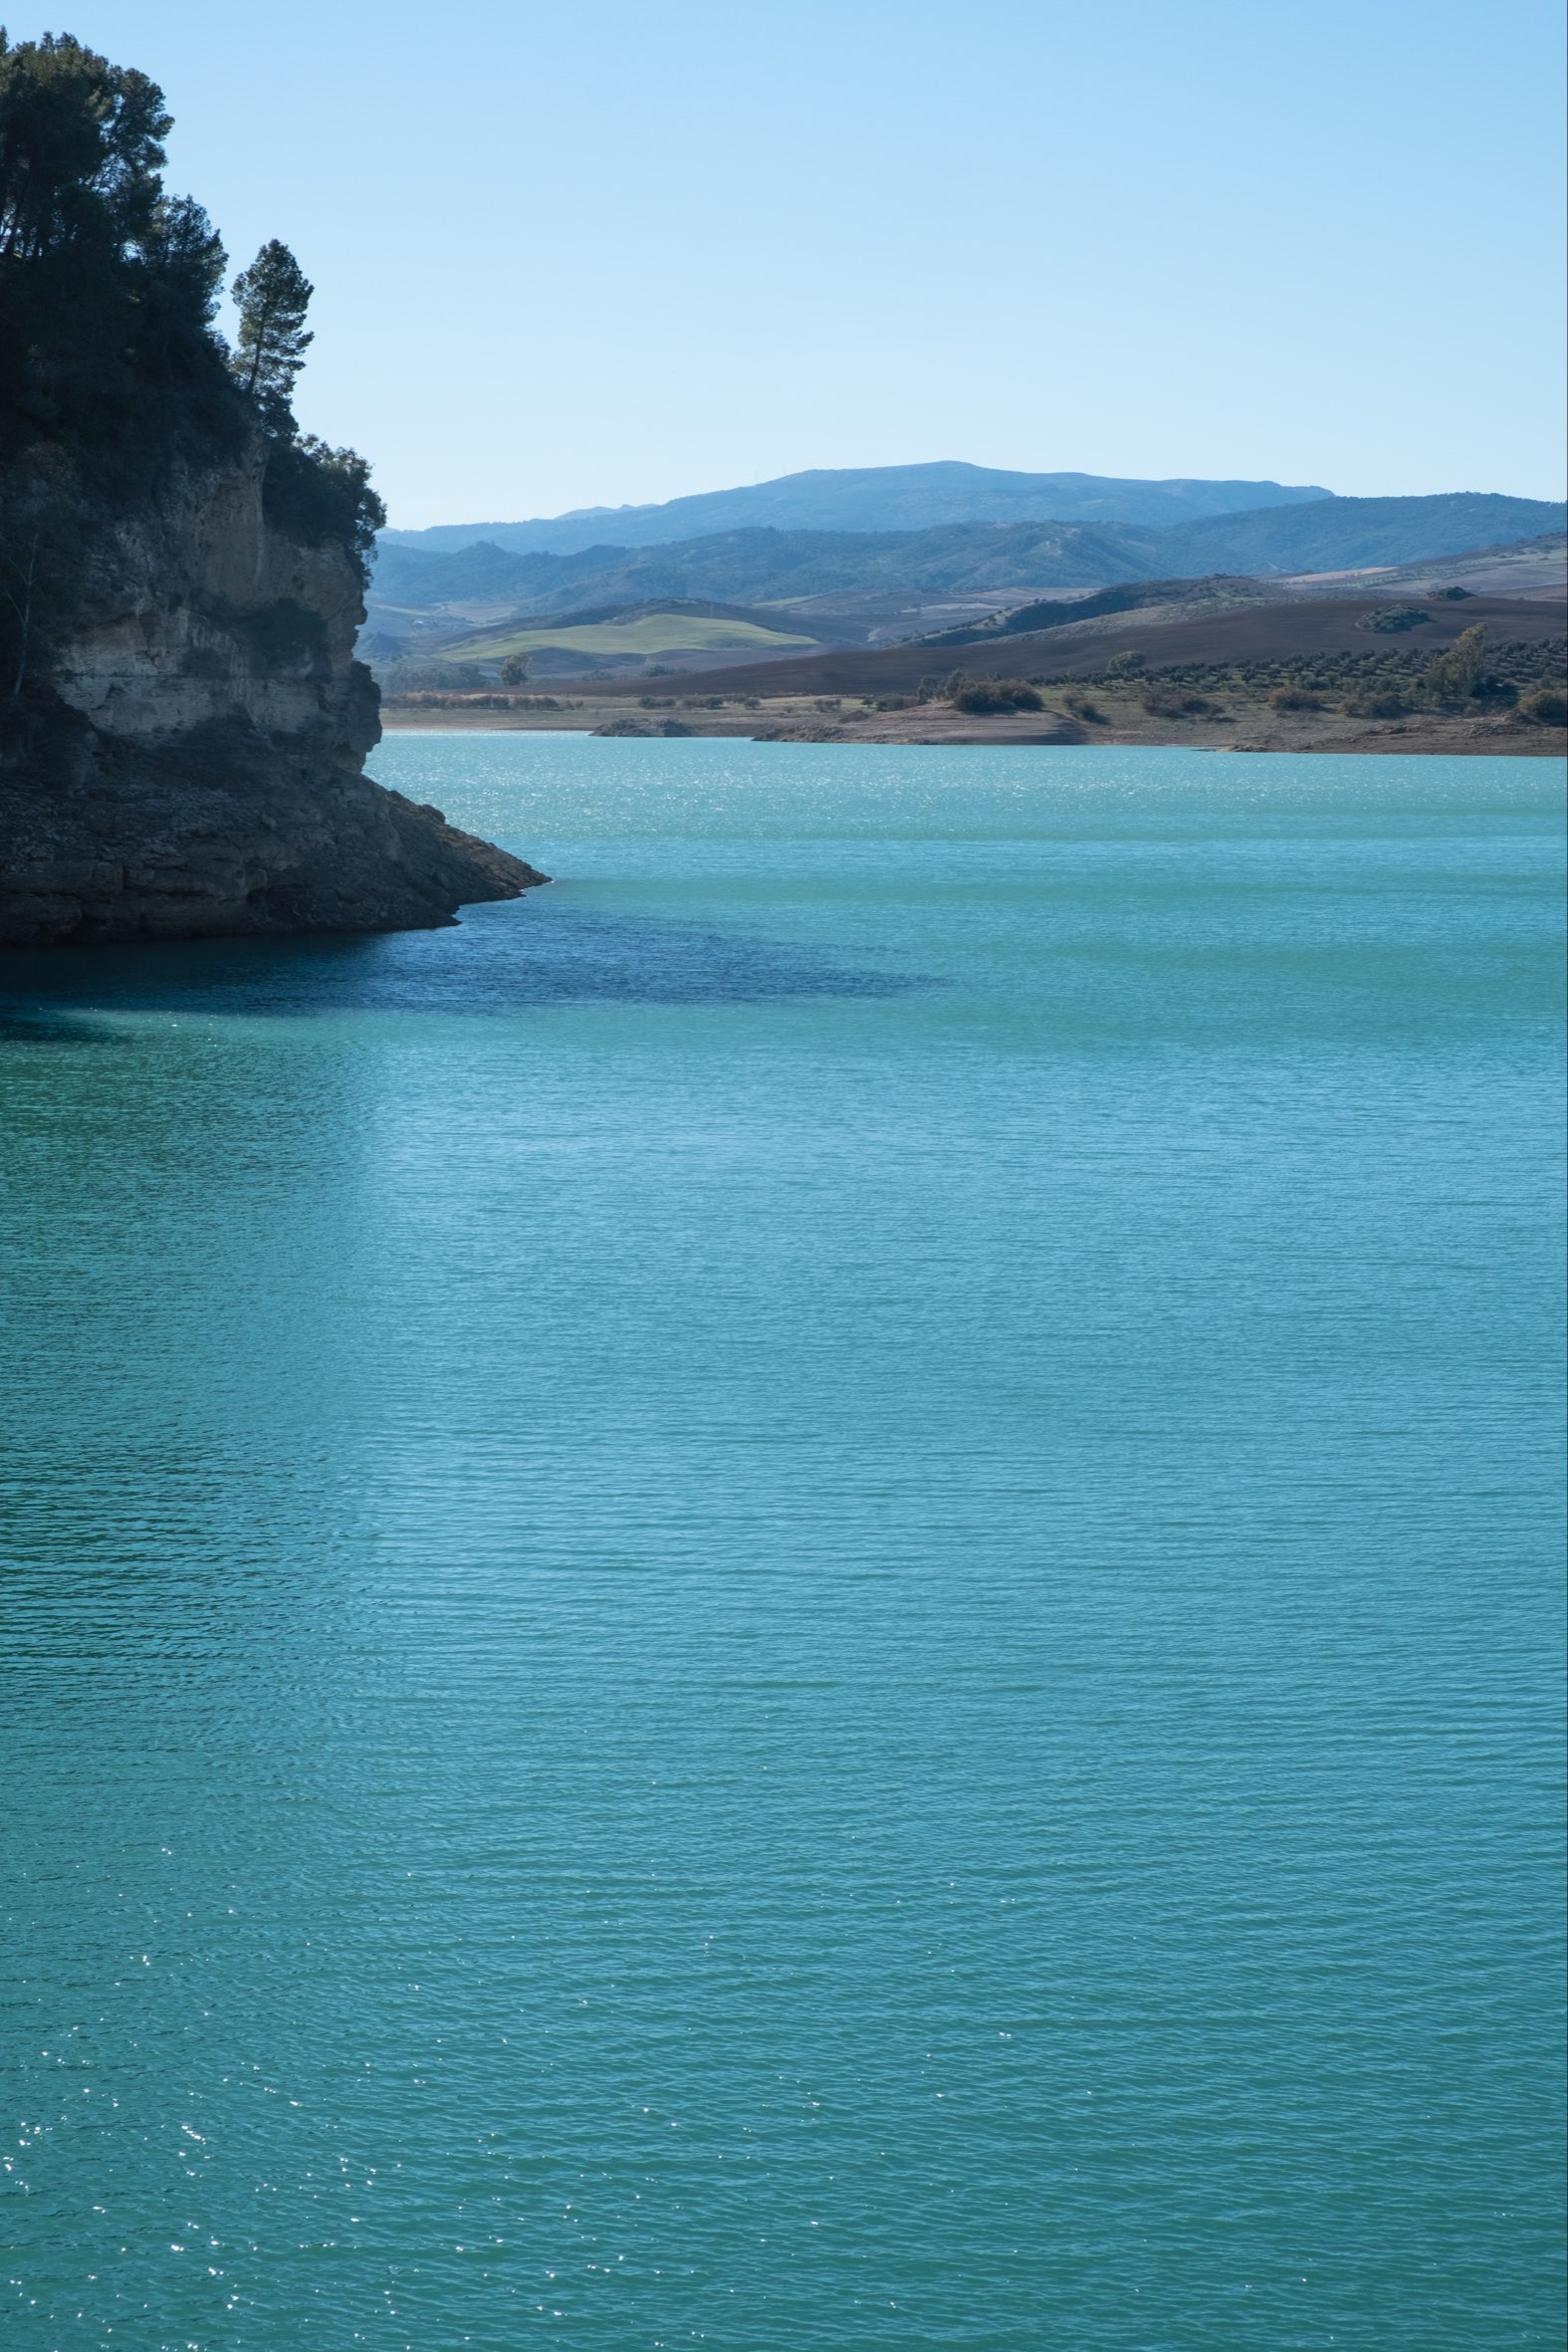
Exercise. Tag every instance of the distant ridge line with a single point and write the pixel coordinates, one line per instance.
(873, 498)
(765, 566)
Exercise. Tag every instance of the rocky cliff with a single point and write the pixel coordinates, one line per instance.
(194, 764)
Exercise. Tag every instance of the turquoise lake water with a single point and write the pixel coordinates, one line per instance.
(806, 1597)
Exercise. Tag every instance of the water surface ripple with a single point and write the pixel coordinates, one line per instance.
(806, 1596)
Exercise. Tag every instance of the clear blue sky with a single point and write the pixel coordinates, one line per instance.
(572, 255)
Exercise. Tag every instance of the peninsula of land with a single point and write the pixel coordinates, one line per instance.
(183, 725)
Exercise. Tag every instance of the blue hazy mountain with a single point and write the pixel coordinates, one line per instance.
(871, 498)
(768, 565)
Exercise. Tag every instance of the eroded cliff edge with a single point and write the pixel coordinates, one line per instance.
(194, 766)
(183, 726)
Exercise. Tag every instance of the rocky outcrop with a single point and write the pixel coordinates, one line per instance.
(195, 766)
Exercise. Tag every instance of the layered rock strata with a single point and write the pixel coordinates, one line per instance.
(196, 767)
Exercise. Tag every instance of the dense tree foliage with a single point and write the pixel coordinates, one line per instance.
(997, 694)
(1461, 675)
(111, 368)
(107, 285)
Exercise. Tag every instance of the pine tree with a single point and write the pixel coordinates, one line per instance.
(272, 296)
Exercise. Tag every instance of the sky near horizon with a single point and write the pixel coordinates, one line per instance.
(586, 257)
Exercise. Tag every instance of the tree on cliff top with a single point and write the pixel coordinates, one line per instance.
(107, 285)
(272, 296)
(111, 368)
(80, 149)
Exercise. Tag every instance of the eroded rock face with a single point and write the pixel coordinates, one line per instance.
(198, 769)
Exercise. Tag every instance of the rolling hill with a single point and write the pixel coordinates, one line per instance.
(751, 567)
(1269, 629)
(1348, 533)
(414, 588)
(868, 498)
(634, 635)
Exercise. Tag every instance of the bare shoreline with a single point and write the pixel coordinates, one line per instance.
(803, 720)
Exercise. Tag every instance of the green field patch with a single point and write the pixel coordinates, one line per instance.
(650, 632)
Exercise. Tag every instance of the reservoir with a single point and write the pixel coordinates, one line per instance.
(808, 1595)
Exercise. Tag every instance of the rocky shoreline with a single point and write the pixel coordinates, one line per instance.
(195, 766)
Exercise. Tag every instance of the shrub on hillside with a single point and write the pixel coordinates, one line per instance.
(324, 497)
(1393, 620)
(1083, 707)
(1388, 705)
(1124, 665)
(1293, 697)
(1546, 707)
(1165, 702)
(999, 694)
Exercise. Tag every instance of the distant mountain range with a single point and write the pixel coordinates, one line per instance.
(1346, 533)
(760, 565)
(869, 498)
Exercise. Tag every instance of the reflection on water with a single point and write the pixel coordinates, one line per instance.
(497, 958)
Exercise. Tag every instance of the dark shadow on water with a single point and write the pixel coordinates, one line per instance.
(497, 959)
